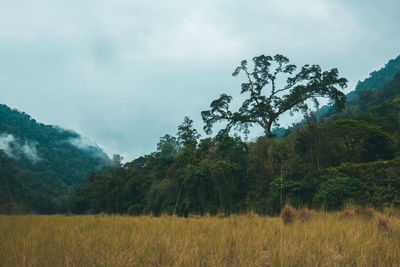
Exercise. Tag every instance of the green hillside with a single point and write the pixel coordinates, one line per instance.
(40, 165)
(378, 78)
(375, 80)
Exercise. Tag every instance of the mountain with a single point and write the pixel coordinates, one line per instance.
(375, 80)
(379, 106)
(40, 165)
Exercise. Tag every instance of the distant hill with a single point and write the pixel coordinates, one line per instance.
(377, 106)
(40, 165)
(375, 80)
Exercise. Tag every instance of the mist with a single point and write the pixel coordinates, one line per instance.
(16, 150)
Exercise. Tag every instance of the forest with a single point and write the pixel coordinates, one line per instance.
(343, 153)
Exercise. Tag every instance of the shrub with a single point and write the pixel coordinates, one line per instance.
(333, 193)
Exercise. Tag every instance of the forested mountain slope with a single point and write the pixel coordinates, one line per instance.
(378, 78)
(40, 165)
(379, 106)
(375, 80)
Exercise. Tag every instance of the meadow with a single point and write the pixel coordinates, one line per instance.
(354, 236)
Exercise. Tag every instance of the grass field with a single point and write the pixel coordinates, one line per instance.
(352, 237)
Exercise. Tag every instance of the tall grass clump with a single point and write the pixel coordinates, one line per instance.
(384, 222)
(304, 215)
(288, 214)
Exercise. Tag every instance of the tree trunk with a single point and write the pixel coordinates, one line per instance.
(267, 131)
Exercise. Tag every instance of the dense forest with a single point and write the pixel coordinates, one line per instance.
(40, 165)
(333, 157)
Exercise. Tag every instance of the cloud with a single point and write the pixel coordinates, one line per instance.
(87, 145)
(5, 140)
(83, 143)
(14, 149)
(126, 72)
(29, 151)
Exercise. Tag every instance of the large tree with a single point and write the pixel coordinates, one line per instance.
(267, 100)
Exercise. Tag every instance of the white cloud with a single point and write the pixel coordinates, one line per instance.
(5, 140)
(14, 149)
(29, 150)
(83, 143)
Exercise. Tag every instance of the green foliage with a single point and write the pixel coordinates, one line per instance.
(168, 147)
(337, 190)
(162, 197)
(187, 135)
(282, 191)
(380, 179)
(362, 142)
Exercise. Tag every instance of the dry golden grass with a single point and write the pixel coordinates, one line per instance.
(288, 214)
(323, 239)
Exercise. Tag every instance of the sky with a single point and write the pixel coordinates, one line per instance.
(123, 73)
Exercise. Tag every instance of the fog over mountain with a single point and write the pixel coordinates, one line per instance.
(40, 165)
(14, 149)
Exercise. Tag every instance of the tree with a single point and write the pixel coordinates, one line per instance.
(396, 102)
(168, 147)
(265, 105)
(362, 141)
(309, 139)
(187, 135)
(335, 191)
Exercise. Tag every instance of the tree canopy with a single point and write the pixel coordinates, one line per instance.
(267, 100)
(187, 134)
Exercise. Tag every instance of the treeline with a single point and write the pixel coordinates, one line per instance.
(348, 156)
(322, 163)
(313, 166)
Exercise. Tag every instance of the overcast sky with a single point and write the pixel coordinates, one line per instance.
(125, 72)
